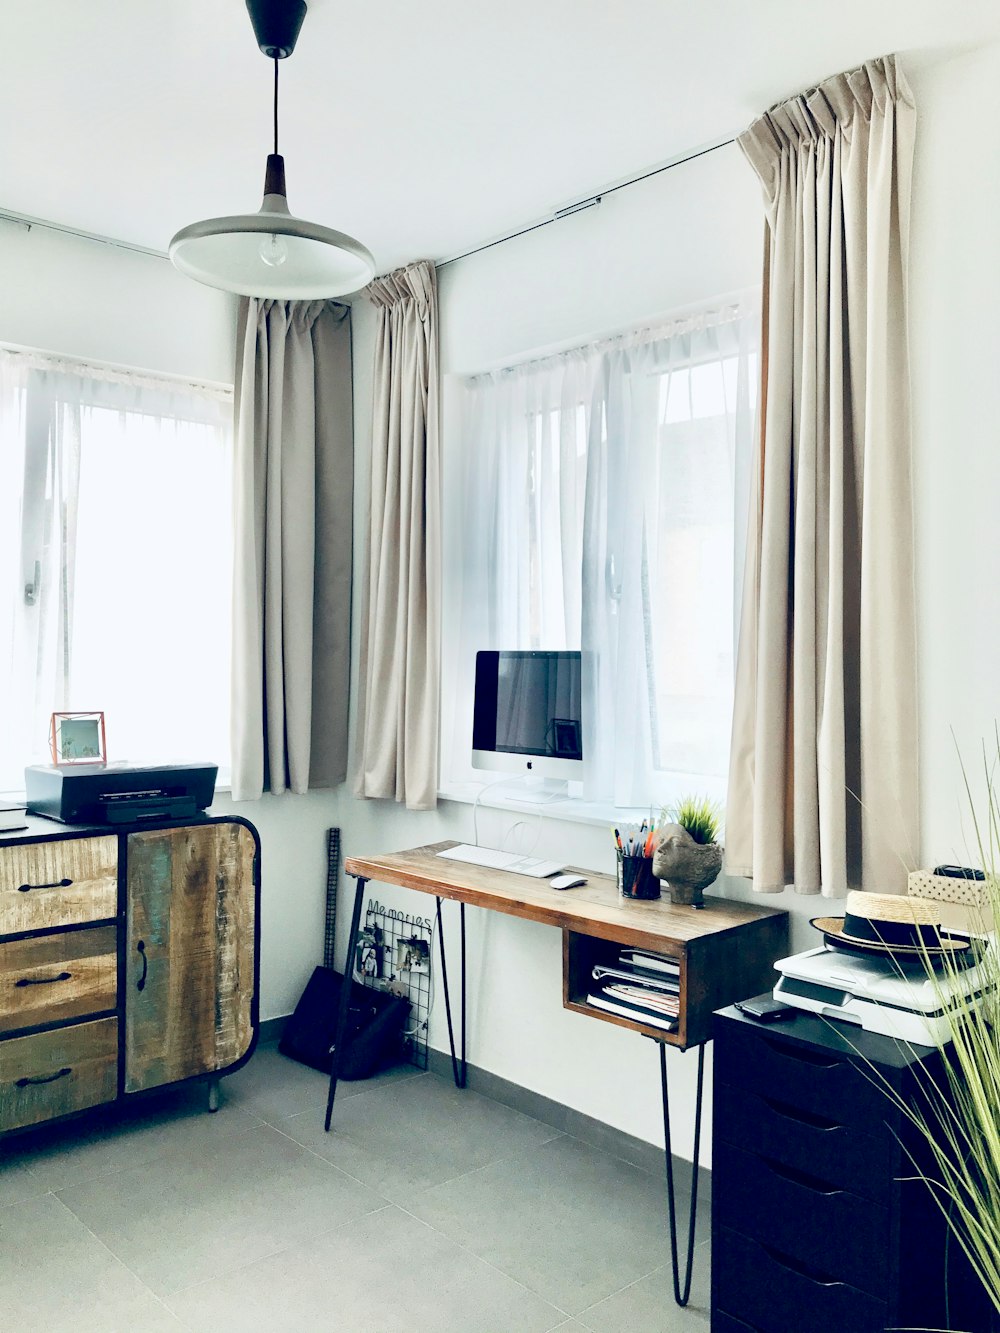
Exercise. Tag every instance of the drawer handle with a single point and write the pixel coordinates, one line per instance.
(800, 1178)
(141, 949)
(42, 981)
(796, 1266)
(803, 1117)
(57, 884)
(803, 1054)
(51, 1078)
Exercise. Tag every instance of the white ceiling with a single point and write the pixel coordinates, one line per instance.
(423, 129)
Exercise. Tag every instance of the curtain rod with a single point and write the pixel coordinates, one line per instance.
(26, 221)
(591, 201)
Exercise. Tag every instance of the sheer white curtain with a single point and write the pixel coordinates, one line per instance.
(601, 490)
(114, 560)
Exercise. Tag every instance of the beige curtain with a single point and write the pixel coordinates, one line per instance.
(823, 778)
(294, 469)
(400, 626)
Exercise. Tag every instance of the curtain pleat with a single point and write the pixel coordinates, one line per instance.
(292, 533)
(400, 626)
(823, 777)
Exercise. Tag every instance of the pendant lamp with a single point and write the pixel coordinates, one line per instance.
(272, 253)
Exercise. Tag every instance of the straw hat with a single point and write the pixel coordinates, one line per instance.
(889, 924)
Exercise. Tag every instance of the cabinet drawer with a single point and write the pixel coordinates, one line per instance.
(58, 883)
(55, 977)
(801, 1076)
(814, 1143)
(827, 1229)
(775, 1294)
(53, 1073)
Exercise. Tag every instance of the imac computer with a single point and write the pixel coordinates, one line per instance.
(527, 717)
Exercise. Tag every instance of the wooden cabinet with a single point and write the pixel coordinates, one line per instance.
(817, 1220)
(190, 965)
(128, 961)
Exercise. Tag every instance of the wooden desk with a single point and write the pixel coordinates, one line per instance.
(725, 952)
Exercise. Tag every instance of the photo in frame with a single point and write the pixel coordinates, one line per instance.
(78, 738)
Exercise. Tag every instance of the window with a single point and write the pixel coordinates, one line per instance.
(115, 561)
(603, 496)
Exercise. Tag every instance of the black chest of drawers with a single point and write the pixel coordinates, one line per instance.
(818, 1225)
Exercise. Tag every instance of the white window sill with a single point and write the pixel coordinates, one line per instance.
(573, 809)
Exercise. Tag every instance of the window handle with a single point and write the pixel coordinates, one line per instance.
(32, 589)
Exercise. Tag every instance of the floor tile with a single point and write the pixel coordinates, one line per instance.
(273, 1086)
(569, 1222)
(216, 1205)
(17, 1180)
(128, 1135)
(427, 1132)
(648, 1306)
(386, 1273)
(56, 1276)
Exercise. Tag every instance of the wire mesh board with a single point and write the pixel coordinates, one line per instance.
(394, 953)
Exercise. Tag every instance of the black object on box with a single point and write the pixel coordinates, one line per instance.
(118, 793)
(374, 1035)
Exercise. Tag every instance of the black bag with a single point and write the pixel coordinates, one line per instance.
(373, 1037)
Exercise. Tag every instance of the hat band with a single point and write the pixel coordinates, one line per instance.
(891, 932)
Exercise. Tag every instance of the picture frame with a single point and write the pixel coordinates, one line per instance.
(78, 738)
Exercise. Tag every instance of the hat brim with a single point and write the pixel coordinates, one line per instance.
(832, 928)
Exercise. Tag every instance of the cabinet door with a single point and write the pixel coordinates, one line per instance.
(189, 1000)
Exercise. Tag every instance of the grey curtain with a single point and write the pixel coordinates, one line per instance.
(294, 470)
(400, 626)
(823, 779)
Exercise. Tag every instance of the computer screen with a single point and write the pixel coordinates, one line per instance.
(528, 708)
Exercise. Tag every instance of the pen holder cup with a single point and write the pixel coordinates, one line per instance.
(636, 878)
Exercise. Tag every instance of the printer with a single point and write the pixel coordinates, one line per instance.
(878, 993)
(118, 793)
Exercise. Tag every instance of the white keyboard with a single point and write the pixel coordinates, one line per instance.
(486, 856)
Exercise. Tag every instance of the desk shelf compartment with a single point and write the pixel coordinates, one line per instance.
(581, 954)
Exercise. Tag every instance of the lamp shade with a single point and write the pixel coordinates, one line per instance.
(272, 254)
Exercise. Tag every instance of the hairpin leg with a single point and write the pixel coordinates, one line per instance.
(681, 1296)
(345, 998)
(459, 1068)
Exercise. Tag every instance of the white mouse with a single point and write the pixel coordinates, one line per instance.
(567, 881)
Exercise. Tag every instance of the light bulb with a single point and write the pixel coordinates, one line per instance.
(273, 250)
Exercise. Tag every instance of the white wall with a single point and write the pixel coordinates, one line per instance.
(80, 298)
(955, 292)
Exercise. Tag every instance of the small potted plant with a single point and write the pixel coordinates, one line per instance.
(688, 857)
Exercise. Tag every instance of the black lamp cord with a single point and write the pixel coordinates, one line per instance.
(276, 106)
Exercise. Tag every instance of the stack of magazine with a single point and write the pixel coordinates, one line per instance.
(641, 986)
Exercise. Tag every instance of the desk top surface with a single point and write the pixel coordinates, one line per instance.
(593, 909)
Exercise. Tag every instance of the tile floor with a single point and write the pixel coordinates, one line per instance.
(427, 1209)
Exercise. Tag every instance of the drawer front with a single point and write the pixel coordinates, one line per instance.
(801, 1076)
(771, 1293)
(54, 1073)
(55, 977)
(58, 883)
(828, 1230)
(819, 1145)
